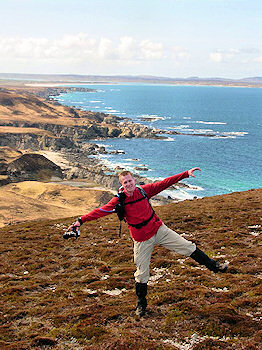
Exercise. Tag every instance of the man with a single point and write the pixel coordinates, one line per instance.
(146, 228)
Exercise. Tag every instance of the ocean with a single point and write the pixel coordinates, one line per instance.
(230, 160)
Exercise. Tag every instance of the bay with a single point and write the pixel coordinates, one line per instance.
(231, 160)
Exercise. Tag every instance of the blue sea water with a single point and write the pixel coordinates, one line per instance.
(231, 160)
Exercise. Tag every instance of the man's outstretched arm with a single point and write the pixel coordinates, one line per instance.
(74, 229)
(157, 187)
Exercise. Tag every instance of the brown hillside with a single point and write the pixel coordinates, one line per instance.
(15, 106)
(20, 107)
(79, 294)
(32, 200)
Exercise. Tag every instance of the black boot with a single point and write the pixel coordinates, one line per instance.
(141, 292)
(211, 264)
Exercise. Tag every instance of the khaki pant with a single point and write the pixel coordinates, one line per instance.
(164, 237)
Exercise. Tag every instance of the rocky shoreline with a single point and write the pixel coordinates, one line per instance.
(68, 133)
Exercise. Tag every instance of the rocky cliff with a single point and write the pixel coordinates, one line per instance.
(33, 167)
(25, 111)
(33, 123)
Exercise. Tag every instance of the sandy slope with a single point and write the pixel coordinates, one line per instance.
(32, 200)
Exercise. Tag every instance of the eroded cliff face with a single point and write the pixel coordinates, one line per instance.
(34, 141)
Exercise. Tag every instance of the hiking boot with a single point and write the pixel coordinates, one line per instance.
(221, 267)
(140, 310)
(141, 292)
(211, 264)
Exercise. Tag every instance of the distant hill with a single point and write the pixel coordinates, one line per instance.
(79, 294)
(16, 78)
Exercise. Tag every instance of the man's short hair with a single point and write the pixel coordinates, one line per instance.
(124, 173)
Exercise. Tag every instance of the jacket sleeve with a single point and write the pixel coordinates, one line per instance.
(154, 188)
(97, 213)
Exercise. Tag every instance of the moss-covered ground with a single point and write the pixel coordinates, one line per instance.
(79, 294)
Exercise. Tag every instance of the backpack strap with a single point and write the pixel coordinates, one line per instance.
(143, 192)
(120, 207)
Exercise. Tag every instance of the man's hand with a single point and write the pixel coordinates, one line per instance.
(73, 230)
(191, 171)
(74, 227)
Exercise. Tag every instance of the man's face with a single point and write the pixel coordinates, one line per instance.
(129, 184)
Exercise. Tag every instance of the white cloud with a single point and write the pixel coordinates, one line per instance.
(79, 48)
(106, 49)
(258, 59)
(216, 56)
(127, 49)
(180, 54)
(42, 48)
(231, 53)
(81, 53)
(245, 55)
(151, 50)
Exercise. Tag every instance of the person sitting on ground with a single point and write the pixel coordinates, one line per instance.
(146, 228)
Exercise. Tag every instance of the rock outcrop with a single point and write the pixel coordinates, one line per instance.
(32, 167)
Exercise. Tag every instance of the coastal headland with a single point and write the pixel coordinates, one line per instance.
(42, 140)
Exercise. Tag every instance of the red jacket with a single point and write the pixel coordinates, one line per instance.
(140, 211)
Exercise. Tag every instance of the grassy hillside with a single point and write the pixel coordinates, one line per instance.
(79, 294)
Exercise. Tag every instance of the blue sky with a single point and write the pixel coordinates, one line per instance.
(175, 38)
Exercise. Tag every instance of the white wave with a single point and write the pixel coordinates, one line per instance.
(179, 127)
(103, 144)
(95, 101)
(148, 116)
(168, 139)
(186, 117)
(111, 164)
(199, 131)
(180, 194)
(211, 123)
(223, 137)
(111, 110)
(235, 133)
(203, 131)
(151, 117)
(133, 159)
